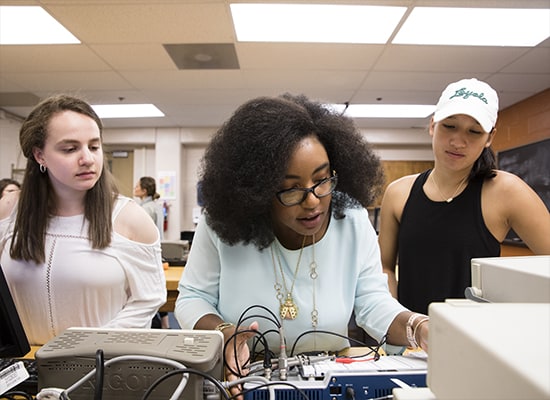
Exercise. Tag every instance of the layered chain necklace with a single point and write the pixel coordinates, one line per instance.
(448, 200)
(288, 308)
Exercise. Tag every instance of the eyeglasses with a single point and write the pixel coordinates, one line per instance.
(291, 197)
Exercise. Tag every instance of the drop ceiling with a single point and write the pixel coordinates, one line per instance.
(129, 54)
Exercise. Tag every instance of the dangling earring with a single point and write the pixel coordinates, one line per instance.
(42, 168)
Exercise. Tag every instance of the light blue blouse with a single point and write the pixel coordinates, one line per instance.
(226, 280)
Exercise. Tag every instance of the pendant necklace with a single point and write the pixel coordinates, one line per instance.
(448, 200)
(288, 309)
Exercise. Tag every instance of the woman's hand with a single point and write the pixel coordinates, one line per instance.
(422, 336)
(234, 362)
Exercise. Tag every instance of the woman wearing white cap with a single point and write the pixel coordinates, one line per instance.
(432, 224)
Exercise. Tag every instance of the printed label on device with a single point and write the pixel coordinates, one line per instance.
(12, 376)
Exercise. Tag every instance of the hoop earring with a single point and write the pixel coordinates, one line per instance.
(42, 168)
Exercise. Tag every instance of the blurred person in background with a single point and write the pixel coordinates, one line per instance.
(8, 185)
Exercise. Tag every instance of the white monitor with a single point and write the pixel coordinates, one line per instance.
(489, 350)
(510, 279)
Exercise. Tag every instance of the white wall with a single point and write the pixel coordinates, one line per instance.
(144, 162)
(10, 152)
(401, 144)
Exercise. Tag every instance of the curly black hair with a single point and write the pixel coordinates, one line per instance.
(245, 163)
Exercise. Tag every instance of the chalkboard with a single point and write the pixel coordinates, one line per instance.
(532, 164)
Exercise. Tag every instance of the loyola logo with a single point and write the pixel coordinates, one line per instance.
(466, 93)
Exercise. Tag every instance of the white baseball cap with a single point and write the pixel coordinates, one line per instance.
(470, 97)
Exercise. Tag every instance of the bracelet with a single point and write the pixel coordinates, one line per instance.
(410, 332)
(425, 319)
(224, 325)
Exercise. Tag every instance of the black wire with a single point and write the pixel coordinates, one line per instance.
(182, 371)
(260, 339)
(274, 319)
(375, 349)
(346, 104)
(13, 395)
(247, 362)
(266, 354)
(243, 317)
(99, 374)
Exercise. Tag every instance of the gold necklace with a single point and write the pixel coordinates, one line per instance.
(313, 275)
(448, 200)
(287, 309)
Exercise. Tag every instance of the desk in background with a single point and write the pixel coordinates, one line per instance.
(173, 275)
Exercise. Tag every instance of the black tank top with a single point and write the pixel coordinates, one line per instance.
(437, 240)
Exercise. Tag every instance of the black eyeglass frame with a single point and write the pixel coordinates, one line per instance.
(333, 179)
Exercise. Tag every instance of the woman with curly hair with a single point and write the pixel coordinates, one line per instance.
(74, 251)
(285, 183)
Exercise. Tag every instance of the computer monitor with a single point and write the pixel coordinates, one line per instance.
(174, 252)
(489, 350)
(13, 341)
(522, 279)
(497, 346)
(187, 235)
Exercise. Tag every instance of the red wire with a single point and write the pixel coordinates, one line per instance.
(347, 360)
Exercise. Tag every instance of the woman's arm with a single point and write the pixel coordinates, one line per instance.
(138, 251)
(198, 298)
(409, 329)
(387, 239)
(146, 287)
(391, 209)
(509, 203)
(529, 217)
(8, 203)
(135, 224)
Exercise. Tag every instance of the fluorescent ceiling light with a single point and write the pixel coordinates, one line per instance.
(31, 25)
(127, 111)
(385, 110)
(475, 26)
(319, 23)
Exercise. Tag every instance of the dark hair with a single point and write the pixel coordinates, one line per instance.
(246, 160)
(149, 185)
(37, 202)
(485, 165)
(5, 183)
